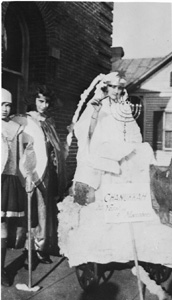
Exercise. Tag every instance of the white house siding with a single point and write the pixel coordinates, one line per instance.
(153, 103)
(157, 96)
(160, 81)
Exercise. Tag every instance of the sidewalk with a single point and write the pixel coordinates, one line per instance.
(59, 282)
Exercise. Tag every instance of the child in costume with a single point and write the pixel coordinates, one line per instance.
(52, 186)
(12, 193)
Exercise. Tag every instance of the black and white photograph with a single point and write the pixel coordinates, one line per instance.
(86, 150)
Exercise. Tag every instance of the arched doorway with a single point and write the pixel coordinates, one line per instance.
(24, 55)
(15, 56)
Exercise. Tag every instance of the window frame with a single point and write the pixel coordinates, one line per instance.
(164, 130)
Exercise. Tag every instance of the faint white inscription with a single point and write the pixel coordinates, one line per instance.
(128, 203)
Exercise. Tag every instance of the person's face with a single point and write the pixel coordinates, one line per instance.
(5, 110)
(41, 104)
(114, 91)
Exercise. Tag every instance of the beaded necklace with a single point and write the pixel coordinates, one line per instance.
(122, 114)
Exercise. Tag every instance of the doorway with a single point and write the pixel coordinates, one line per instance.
(15, 55)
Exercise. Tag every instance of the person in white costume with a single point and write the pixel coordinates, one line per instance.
(109, 140)
(110, 152)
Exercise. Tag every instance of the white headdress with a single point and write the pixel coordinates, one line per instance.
(100, 81)
(6, 96)
(114, 78)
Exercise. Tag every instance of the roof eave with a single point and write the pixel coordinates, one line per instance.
(147, 74)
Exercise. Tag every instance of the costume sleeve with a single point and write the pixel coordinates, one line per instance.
(81, 128)
(4, 152)
(49, 129)
(10, 129)
(136, 133)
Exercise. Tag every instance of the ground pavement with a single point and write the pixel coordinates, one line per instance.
(59, 282)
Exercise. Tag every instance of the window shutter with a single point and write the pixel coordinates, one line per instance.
(158, 130)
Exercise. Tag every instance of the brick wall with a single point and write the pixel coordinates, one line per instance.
(70, 44)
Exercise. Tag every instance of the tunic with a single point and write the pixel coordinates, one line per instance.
(12, 193)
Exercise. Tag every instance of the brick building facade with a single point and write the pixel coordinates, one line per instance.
(61, 44)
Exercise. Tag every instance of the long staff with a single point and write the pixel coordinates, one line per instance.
(136, 261)
(21, 286)
(29, 197)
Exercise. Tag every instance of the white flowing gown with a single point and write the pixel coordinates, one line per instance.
(115, 155)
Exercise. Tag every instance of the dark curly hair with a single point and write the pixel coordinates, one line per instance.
(33, 93)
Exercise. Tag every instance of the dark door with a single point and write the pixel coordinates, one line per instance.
(15, 57)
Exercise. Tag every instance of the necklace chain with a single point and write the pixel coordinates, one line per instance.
(122, 121)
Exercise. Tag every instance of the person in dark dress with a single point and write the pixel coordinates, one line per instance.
(13, 195)
(52, 186)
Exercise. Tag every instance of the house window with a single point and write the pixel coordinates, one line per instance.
(167, 130)
(170, 78)
(162, 133)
